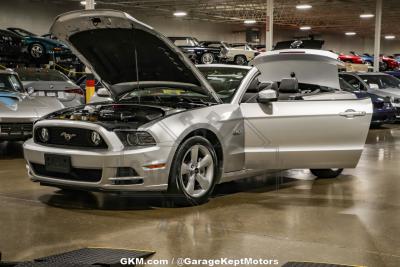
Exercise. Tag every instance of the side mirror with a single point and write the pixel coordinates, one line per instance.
(30, 90)
(103, 92)
(267, 96)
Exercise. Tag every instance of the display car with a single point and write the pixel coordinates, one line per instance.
(299, 43)
(351, 58)
(12, 49)
(195, 51)
(18, 109)
(53, 83)
(380, 84)
(168, 130)
(383, 111)
(42, 49)
(239, 54)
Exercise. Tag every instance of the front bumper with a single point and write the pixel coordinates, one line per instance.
(108, 161)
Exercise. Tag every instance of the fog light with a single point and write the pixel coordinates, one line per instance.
(44, 135)
(126, 172)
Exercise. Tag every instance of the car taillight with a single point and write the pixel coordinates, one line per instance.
(78, 91)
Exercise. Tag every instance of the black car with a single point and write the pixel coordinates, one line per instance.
(308, 44)
(196, 52)
(11, 48)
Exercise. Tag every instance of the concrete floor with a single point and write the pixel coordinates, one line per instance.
(354, 219)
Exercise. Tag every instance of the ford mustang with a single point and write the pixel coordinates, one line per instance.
(169, 130)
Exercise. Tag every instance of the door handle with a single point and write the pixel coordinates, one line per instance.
(351, 113)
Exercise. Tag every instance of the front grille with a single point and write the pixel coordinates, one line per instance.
(78, 137)
(76, 174)
(16, 130)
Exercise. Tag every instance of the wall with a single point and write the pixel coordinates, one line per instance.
(37, 17)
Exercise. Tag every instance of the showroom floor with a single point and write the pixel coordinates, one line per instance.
(354, 219)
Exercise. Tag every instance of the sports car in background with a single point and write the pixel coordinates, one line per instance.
(41, 49)
(12, 49)
(385, 63)
(168, 130)
(53, 83)
(379, 84)
(351, 58)
(383, 112)
(19, 109)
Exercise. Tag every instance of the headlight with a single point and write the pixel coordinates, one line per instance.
(134, 138)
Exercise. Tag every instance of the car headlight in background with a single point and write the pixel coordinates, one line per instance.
(136, 138)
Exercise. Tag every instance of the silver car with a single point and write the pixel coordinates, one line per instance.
(18, 109)
(380, 84)
(169, 130)
(53, 83)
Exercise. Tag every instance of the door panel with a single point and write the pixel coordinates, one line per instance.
(305, 134)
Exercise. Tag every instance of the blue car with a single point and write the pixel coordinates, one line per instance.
(41, 49)
(383, 111)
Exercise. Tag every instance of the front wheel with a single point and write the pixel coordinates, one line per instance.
(193, 172)
(240, 60)
(326, 173)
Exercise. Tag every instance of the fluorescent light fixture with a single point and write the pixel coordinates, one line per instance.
(250, 21)
(83, 3)
(304, 6)
(350, 33)
(367, 16)
(180, 13)
(305, 28)
(390, 37)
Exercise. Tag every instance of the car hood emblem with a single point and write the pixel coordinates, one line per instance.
(67, 136)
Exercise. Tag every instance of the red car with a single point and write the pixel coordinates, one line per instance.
(352, 58)
(389, 63)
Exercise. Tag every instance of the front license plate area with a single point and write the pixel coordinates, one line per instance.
(57, 163)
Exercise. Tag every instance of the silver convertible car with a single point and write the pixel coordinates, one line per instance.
(169, 130)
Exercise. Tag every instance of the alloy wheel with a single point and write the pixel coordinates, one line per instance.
(207, 58)
(36, 51)
(197, 171)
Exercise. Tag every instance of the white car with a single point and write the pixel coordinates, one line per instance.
(239, 53)
(170, 129)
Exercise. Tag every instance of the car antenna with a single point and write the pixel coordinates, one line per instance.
(137, 73)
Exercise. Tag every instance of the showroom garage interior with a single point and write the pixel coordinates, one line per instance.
(200, 133)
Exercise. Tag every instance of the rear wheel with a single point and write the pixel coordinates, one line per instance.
(326, 173)
(207, 58)
(37, 51)
(193, 172)
(383, 66)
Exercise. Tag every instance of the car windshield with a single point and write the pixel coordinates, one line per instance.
(42, 75)
(185, 42)
(24, 33)
(224, 80)
(381, 81)
(10, 83)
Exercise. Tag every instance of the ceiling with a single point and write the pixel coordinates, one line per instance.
(325, 15)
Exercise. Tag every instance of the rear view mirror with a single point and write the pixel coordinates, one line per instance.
(373, 86)
(103, 92)
(267, 96)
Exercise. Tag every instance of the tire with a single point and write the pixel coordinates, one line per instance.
(240, 60)
(37, 51)
(326, 173)
(383, 66)
(207, 58)
(185, 184)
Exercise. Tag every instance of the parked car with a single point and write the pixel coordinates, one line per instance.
(197, 53)
(299, 43)
(383, 111)
(389, 63)
(41, 49)
(239, 54)
(19, 109)
(49, 82)
(351, 58)
(169, 130)
(380, 84)
(12, 48)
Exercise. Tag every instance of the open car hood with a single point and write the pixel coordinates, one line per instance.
(120, 49)
(309, 66)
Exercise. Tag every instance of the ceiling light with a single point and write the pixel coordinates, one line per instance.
(350, 33)
(180, 13)
(305, 28)
(250, 21)
(367, 16)
(304, 6)
(390, 37)
(83, 3)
